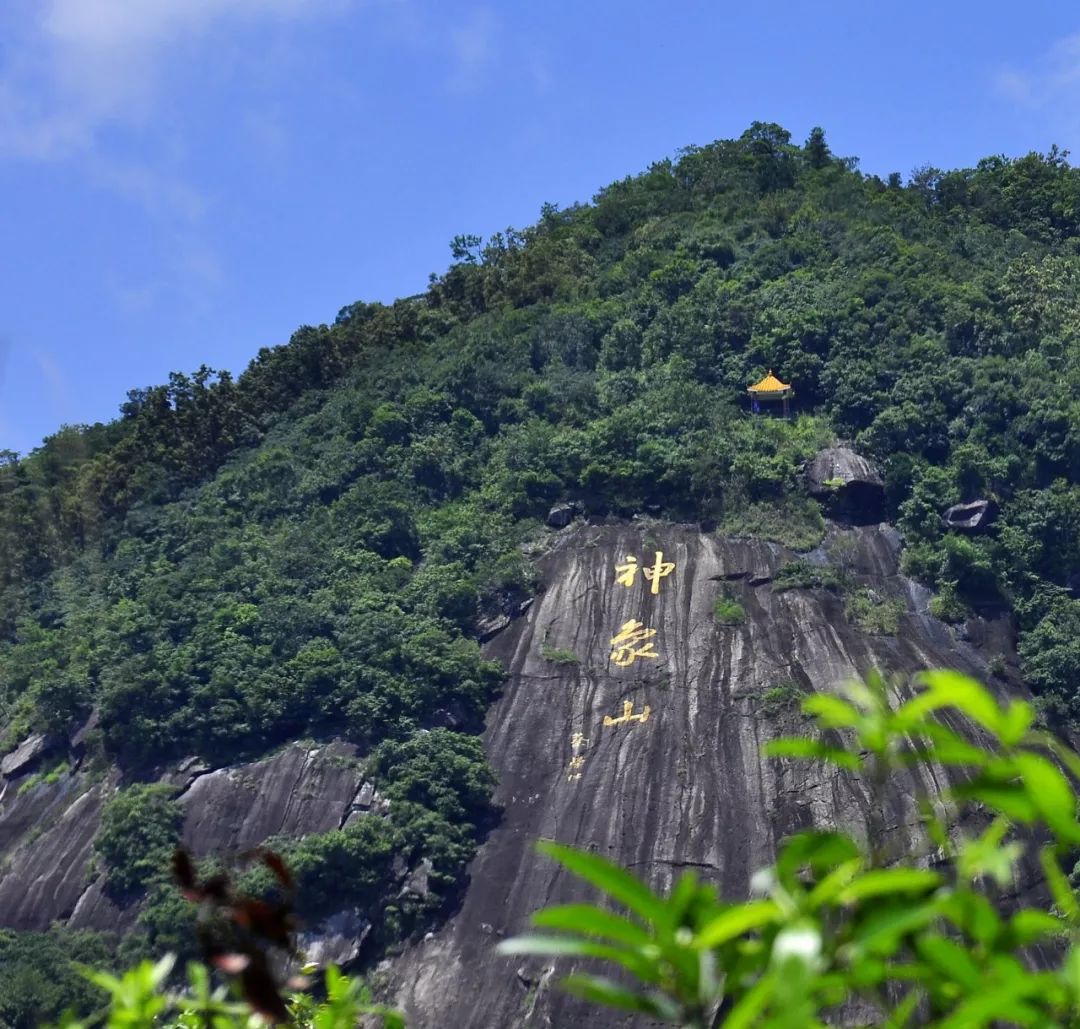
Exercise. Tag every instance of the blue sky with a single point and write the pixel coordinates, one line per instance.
(185, 181)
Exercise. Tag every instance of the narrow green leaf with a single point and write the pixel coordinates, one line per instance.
(994, 1006)
(598, 990)
(950, 959)
(966, 695)
(948, 748)
(687, 891)
(882, 930)
(833, 885)
(973, 914)
(1011, 799)
(1060, 888)
(1016, 720)
(591, 921)
(1030, 924)
(901, 1014)
(832, 712)
(747, 1012)
(565, 946)
(890, 880)
(736, 921)
(1051, 795)
(817, 850)
(615, 881)
(1070, 974)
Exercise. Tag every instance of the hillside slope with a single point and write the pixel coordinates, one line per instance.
(284, 579)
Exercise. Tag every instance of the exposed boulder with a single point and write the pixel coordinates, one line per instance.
(47, 865)
(972, 517)
(27, 754)
(848, 483)
(335, 941)
(418, 881)
(366, 797)
(561, 515)
(489, 628)
(47, 871)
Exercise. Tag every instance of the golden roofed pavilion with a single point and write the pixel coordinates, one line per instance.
(770, 388)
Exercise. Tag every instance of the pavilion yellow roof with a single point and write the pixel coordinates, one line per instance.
(770, 384)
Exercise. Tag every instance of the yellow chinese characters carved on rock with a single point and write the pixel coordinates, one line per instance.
(659, 569)
(627, 572)
(629, 644)
(628, 714)
(577, 762)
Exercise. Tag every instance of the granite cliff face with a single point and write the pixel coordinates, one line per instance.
(655, 762)
(48, 871)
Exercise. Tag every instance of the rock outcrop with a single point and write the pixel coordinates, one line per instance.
(561, 515)
(26, 755)
(974, 516)
(656, 763)
(848, 484)
(47, 829)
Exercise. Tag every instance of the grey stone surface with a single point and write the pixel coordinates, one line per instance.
(561, 515)
(488, 628)
(295, 791)
(847, 483)
(840, 463)
(22, 759)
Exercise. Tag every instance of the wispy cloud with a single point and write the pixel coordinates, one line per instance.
(77, 76)
(78, 66)
(473, 48)
(1052, 87)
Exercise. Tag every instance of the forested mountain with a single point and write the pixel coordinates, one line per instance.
(312, 550)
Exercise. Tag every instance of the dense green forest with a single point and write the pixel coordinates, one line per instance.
(306, 550)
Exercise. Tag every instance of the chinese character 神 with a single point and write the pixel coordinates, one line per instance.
(627, 571)
(659, 570)
(630, 644)
(628, 714)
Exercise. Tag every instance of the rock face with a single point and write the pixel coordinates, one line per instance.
(848, 483)
(654, 761)
(972, 517)
(47, 830)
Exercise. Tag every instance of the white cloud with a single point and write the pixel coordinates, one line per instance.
(77, 77)
(1054, 86)
(473, 49)
(80, 65)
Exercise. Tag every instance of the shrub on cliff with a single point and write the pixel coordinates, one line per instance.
(140, 826)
